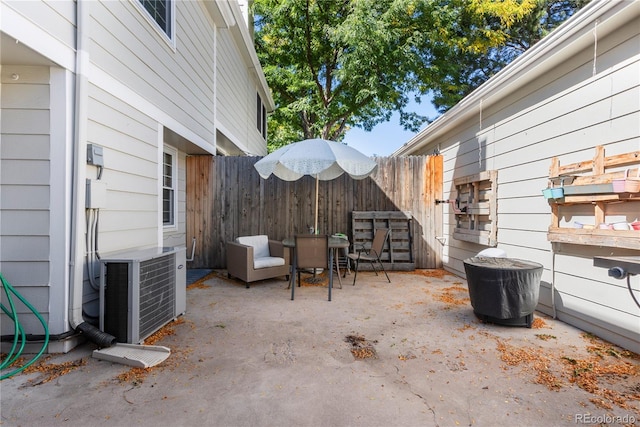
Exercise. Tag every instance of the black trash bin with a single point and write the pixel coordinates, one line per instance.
(503, 290)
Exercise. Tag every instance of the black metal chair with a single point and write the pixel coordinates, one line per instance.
(311, 251)
(373, 254)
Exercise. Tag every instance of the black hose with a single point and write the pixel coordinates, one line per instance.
(631, 290)
(95, 335)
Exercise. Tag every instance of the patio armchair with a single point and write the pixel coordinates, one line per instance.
(373, 254)
(251, 258)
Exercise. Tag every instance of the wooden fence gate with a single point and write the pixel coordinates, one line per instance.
(226, 198)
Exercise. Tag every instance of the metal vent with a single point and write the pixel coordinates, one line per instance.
(157, 294)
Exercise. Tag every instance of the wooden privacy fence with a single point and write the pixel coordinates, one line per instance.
(226, 198)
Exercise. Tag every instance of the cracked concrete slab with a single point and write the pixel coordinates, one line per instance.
(253, 357)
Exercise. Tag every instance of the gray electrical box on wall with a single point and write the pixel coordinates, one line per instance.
(96, 194)
(94, 155)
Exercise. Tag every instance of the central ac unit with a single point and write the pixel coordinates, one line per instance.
(141, 291)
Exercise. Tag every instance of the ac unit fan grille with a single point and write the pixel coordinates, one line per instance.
(157, 294)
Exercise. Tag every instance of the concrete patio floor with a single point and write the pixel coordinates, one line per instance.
(253, 357)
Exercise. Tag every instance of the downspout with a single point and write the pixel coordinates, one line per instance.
(79, 174)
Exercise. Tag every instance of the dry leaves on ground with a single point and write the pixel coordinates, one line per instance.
(608, 373)
(360, 347)
(49, 371)
(137, 376)
(538, 323)
(452, 295)
(199, 284)
(435, 273)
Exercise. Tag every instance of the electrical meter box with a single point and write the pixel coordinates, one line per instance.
(96, 194)
(94, 155)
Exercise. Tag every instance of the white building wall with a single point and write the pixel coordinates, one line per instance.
(236, 91)
(25, 188)
(126, 47)
(53, 18)
(139, 85)
(566, 112)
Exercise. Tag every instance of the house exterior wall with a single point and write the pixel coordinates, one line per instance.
(52, 18)
(566, 111)
(139, 93)
(237, 120)
(129, 49)
(25, 172)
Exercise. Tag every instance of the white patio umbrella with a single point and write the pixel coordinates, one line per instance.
(322, 159)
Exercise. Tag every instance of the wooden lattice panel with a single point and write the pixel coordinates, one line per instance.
(398, 251)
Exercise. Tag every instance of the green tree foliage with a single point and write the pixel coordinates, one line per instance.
(336, 64)
(471, 68)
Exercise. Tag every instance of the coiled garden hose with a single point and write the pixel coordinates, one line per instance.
(19, 335)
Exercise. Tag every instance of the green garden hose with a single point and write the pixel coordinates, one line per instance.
(19, 335)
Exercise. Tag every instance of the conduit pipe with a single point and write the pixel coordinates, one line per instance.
(79, 175)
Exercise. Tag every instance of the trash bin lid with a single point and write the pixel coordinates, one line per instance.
(502, 263)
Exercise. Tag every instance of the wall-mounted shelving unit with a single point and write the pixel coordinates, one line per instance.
(475, 208)
(591, 183)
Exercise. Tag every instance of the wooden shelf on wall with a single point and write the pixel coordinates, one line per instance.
(475, 210)
(610, 238)
(591, 184)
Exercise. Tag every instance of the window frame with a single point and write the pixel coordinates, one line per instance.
(169, 37)
(173, 203)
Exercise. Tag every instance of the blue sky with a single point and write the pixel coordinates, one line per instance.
(387, 137)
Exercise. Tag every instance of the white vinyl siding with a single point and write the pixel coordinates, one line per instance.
(129, 141)
(56, 18)
(25, 191)
(565, 113)
(236, 96)
(180, 82)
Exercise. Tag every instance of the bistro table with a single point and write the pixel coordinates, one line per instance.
(335, 243)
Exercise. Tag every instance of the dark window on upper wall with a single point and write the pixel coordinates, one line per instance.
(160, 11)
(261, 117)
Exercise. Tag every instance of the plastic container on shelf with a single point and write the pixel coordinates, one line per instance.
(632, 184)
(554, 192)
(621, 226)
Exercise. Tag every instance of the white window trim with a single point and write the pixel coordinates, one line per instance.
(170, 40)
(174, 168)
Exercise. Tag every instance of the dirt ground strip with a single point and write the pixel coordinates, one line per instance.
(409, 353)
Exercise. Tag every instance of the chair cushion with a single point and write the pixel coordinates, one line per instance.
(260, 245)
(268, 261)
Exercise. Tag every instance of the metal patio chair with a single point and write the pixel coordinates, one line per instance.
(373, 254)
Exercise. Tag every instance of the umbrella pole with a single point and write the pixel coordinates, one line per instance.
(316, 217)
(315, 278)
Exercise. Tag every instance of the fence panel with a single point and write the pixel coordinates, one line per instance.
(239, 202)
